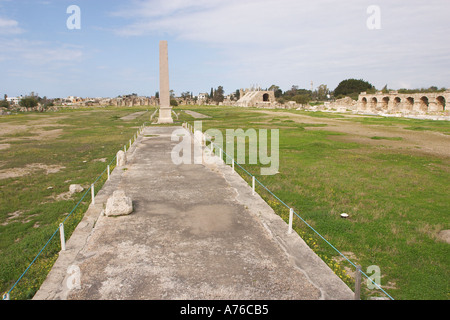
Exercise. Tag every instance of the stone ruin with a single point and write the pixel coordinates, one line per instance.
(433, 103)
(256, 98)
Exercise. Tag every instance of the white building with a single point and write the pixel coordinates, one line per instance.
(202, 96)
(14, 100)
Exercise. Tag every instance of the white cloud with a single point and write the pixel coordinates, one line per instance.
(9, 27)
(292, 39)
(39, 53)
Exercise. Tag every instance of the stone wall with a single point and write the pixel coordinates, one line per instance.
(256, 98)
(433, 103)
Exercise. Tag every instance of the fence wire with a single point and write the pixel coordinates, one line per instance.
(214, 146)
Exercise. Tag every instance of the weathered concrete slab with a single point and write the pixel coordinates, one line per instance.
(196, 232)
(196, 115)
(133, 116)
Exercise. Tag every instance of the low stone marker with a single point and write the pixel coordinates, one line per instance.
(121, 158)
(75, 188)
(118, 204)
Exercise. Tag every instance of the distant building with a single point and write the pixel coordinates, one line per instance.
(14, 100)
(202, 96)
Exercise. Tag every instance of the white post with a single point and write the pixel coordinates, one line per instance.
(358, 283)
(130, 143)
(108, 172)
(253, 184)
(125, 148)
(63, 239)
(6, 296)
(92, 194)
(291, 217)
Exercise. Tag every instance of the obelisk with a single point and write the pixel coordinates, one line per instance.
(165, 110)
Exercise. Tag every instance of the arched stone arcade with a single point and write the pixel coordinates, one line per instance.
(393, 102)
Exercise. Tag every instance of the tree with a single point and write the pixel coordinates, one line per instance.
(352, 88)
(322, 92)
(237, 94)
(218, 94)
(4, 104)
(276, 91)
(28, 102)
(186, 95)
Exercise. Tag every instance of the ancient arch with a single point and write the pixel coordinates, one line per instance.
(364, 103)
(441, 103)
(424, 104)
(384, 103)
(397, 104)
(409, 103)
(373, 103)
(266, 97)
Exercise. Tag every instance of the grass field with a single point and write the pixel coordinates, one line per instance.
(397, 197)
(392, 180)
(42, 154)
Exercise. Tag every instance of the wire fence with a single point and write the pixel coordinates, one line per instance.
(60, 229)
(358, 270)
(222, 153)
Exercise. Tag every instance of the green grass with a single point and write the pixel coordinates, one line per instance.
(386, 138)
(87, 136)
(397, 202)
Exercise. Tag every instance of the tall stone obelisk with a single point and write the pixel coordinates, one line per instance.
(165, 110)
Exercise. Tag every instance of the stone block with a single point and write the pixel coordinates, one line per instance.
(75, 188)
(118, 204)
(121, 158)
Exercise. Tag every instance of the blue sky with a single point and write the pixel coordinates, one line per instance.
(232, 43)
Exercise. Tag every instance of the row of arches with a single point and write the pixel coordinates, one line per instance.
(407, 103)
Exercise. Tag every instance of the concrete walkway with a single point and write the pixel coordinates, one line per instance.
(196, 232)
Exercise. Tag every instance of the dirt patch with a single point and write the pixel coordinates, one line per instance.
(4, 146)
(425, 142)
(12, 216)
(444, 235)
(29, 169)
(33, 129)
(351, 256)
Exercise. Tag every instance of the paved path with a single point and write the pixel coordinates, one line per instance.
(197, 232)
(196, 115)
(133, 116)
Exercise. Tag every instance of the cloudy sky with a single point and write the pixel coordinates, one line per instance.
(232, 43)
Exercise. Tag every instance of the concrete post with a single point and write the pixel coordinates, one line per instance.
(108, 171)
(253, 185)
(358, 283)
(92, 194)
(63, 239)
(291, 218)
